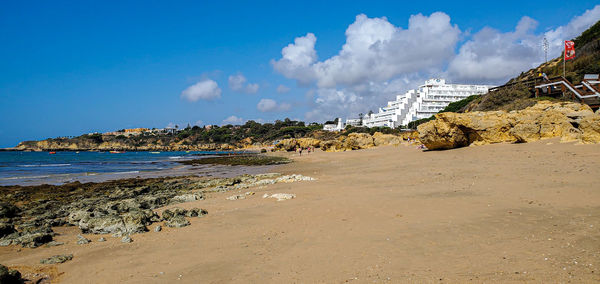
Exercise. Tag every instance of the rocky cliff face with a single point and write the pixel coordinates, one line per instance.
(570, 121)
(84, 145)
(354, 141)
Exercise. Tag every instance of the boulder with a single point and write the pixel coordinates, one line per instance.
(590, 128)
(8, 210)
(287, 145)
(33, 240)
(111, 223)
(308, 142)
(9, 276)
(81, 240)
(332, 146)
(57, 259)
(380, 139)
(6, 229)
(177, 221)
(188, 197)
(570, 121)
(357, 141)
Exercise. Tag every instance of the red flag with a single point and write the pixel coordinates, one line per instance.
(569, 50)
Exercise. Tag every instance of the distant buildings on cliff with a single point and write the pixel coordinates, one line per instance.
(416, 104)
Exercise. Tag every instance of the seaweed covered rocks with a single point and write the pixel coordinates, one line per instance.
(120, 208)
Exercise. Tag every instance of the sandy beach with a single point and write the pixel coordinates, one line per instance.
(494, 213)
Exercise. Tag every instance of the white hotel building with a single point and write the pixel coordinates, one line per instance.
(423, 102)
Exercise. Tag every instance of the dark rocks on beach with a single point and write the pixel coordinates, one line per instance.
(57, 259)
(54, 244)
(6, 229)
(158, 228)
(120, 207)
(35, 239)
(9, 276)
(177, 221)
(81, 240)
(8, 210)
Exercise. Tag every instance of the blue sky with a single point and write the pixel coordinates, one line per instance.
(72, 67)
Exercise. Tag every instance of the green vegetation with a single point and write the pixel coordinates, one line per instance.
(239, 160)
(385, 130)
(458, 106)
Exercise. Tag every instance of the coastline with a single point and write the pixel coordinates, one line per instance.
(405, 218)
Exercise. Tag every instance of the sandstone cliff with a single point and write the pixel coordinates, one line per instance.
(570, 121)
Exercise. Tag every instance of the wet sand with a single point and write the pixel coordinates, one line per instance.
(504, 213)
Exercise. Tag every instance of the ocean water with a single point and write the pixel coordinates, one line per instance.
(28, 168)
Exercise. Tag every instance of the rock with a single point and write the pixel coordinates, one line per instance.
(177, 221)
(168, 214)
(136, 221)
(188, 197)
(126, 239)
(9, 276)
(57, 259)
(236, 197)
(357, 141)
(266, 195)
(158, 228)
(332, 146)
(196, 212)
(282, 196)
(101, 239)
(33, 240)
(6, 229)
(102, 225)
(590, 127)
(308, 142)
(54, 244)
(286, 145)
(8, 210)
(570, 121)
(132, 222)
(380, 139)
(81, 240)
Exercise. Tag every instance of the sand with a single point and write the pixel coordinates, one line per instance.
(494, 213)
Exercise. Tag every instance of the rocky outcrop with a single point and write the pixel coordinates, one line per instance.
(380, 139)
(293, 143)
(120, 208)
(86, 145)
(570, 121)
(357, 141)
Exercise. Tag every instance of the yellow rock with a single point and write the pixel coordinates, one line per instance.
(570, 121)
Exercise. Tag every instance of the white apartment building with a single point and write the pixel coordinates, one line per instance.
(423, 102)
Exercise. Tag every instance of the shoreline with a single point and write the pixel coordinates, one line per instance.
(491, 213)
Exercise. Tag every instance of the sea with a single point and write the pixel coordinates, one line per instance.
(35, 168)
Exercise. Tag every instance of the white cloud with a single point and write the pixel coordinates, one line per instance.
(269, 105)
(238, 84)
(206, 89)
(234, 120)
(375, 50)
(282, 89)
(199, 123)
(494, 57)
(297, 59)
